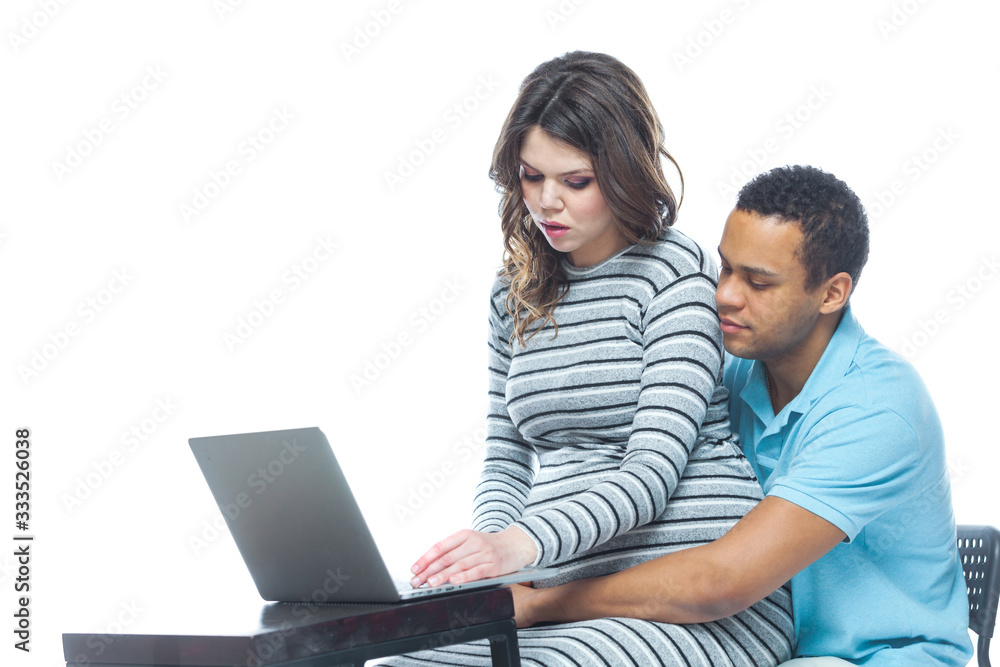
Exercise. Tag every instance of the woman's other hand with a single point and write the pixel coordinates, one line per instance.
(469, 555)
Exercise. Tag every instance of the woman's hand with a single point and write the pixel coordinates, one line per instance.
(469, 555)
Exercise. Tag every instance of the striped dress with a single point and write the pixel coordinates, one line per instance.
(609, 444)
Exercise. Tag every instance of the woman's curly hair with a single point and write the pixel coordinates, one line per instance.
(597, 105)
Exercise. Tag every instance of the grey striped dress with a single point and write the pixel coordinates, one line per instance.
(610, 445)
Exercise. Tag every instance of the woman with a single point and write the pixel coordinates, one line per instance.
(605, 376)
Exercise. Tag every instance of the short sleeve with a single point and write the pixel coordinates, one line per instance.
(851, 466)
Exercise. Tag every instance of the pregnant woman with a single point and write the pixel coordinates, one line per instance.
(608, 433)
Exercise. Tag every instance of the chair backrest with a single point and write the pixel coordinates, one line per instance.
(979, 549)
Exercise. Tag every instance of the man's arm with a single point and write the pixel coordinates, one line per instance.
(773, 542)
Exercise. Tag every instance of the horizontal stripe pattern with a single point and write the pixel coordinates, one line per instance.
(756, 637)
(610, 445)
(590, 432)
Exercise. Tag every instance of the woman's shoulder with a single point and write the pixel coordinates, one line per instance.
(672, 256)
(498, 295)
(501, 285)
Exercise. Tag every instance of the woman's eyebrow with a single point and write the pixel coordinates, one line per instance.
(565, 173)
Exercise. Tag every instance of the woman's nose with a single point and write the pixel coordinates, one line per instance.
(550, 197)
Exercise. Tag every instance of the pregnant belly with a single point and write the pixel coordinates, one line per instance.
(556, 483)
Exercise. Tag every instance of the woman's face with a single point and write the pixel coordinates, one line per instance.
(561, 193)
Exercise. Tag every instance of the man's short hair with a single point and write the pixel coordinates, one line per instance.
(833, 220)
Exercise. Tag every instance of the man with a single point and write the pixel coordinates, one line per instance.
(844, 440)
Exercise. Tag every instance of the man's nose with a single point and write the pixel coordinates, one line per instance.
(727, 294)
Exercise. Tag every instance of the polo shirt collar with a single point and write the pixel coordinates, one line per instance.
(832, 366)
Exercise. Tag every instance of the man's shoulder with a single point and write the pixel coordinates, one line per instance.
(874, 384)
(880, 378)
(879, 398)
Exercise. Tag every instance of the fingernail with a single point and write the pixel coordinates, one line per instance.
(414, 569)
(415, 581)
(433, 581)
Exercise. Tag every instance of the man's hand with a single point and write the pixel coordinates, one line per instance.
(522, 594)
(469, 555)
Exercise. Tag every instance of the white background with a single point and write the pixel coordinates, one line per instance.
(860, 88)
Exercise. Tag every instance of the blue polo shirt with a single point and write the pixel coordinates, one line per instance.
(862, 447)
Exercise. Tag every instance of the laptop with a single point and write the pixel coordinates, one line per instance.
(297, 525)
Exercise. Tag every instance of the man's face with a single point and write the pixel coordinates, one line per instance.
(765, 310)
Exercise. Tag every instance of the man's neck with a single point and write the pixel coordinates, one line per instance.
(787, 373)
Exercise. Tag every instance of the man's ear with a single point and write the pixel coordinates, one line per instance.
(837, 291)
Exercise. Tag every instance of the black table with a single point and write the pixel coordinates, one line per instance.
(314, 635)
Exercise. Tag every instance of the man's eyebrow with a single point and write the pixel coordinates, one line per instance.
(748, 268)
(565, 173)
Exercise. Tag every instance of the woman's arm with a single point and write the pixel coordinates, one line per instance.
(682, 358)
(509, 467)
(507, 476)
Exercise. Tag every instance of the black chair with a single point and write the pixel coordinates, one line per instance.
(979, 549)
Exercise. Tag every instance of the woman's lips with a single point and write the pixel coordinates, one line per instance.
(553, 229)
